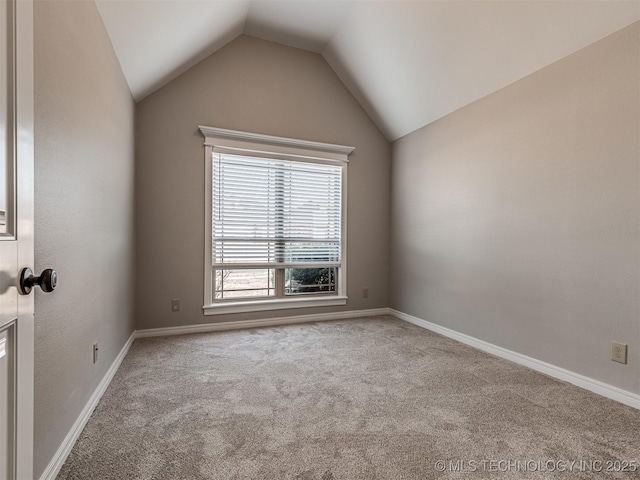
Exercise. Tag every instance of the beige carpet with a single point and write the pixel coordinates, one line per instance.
(371, 398)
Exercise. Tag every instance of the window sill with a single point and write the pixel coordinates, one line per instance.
(280, 304)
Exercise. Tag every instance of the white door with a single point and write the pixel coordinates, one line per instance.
(16, 238)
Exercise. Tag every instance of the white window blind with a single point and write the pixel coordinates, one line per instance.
(270, 212)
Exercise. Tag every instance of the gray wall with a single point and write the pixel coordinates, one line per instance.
(516, 219)
(256, 86)
(84, 152)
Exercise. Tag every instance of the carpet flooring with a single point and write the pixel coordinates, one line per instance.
(372, 398)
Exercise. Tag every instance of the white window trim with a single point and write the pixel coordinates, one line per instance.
(226, 141)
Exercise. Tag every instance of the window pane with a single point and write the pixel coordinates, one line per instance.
(309, 280)
(269, 211)
(244, 283)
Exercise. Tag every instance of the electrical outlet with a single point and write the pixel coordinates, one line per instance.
(619, 352)
(175, 305)
(95, 353)
(365, 293)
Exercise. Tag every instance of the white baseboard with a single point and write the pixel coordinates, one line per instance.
(64, 450)
(595, 386)
(268, 322)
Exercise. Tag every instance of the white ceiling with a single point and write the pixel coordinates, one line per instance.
(407, 62)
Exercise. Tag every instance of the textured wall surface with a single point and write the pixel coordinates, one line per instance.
(84, 152)
(516, 219)
(262, 87)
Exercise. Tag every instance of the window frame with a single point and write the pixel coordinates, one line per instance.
(219, 140)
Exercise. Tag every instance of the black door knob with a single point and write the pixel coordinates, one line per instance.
(47, 280)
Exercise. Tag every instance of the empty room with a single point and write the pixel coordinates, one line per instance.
(319, 239)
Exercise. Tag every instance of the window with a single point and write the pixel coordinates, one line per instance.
(276, 227)
(275, 222)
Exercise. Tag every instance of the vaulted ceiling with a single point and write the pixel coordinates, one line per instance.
(407, 62)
